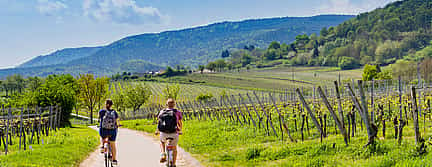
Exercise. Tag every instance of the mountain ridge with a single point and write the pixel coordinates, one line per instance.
(189, 46)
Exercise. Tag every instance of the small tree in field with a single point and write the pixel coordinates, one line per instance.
(171, 91)
(369, 72)
(137, 95)
(92, 91)
(118, 97)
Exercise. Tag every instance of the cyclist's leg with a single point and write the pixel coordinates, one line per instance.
(174, 155)
(175, 142)
(112, 143)
(162, 147)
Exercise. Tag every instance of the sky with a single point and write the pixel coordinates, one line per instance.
(30, 28)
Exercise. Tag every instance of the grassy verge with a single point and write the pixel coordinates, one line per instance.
(222, 144)
(144, 125)
(66, 147)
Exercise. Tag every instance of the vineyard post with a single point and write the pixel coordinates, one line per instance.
(55, 118)
(7, 130)
(193, 110)
(186, 108)
(335, 117)
(216, 109)
(235, 111)
(21, 128)
(311, 114)
(372, 101)
(205, 110)
(38, 123)
(258, 115)
(282, 121)
(229, 109)
(401, 121)
(247, 109)
(51, 116)
(199, 111)
(420, 100)
(415, 114)
(371, 131)
(221, 110)
(265, 113)
(240, 109)
(341, 114)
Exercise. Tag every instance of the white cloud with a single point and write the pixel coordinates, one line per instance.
(122, 11)
(352, 6)
(50, 8)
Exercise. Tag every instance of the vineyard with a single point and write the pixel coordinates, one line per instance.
(20, 128)
(373, 112)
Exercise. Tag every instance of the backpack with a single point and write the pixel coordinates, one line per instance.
(109, 120)
(168, 121)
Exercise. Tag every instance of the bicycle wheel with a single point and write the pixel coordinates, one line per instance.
(168, 164)
(106, 160)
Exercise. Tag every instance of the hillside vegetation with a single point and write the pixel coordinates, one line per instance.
(189, 47)
(63, 56)
(379, 37)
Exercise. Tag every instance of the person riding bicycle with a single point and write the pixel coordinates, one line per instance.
(109, 123)
(169, 126)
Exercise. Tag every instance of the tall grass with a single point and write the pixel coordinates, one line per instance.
(66, 147)
(219, 143)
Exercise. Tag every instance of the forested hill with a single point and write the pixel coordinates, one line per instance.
(63, 56)
(188, 47)
(198, 45)
(381, 37)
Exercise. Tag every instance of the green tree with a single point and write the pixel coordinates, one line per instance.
(225, 54)
(369, 72)
(92, 91)
(348, 63)
(137, 95)
(211, 66)
(272, 54)
(274, 45)
(59, 90)
(220, 64)
(201, 68)
(246, 59)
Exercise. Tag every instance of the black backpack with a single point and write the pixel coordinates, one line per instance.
(167, 121)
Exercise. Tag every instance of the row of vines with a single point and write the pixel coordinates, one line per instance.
(345, 110)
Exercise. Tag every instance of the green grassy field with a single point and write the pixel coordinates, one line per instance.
(273, 78)
(66, 147)
(223, 144)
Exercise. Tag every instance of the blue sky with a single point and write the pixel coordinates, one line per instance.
(38, 27)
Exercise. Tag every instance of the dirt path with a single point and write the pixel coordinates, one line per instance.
(138, 149)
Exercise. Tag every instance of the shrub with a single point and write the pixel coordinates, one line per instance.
(348, 63)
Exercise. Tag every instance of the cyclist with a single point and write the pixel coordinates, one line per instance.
(109, 122)
(169, 126)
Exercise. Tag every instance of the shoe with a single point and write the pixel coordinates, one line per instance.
(114, 162)
(163, 158)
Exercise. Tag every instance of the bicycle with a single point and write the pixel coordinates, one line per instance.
(107, 153)
(169, 148)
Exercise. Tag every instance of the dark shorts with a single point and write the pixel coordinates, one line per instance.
(108, 132)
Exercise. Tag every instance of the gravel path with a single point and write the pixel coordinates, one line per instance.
(138, 149)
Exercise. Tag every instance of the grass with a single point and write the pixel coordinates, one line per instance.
(66, 147)
(144, 125)
(272, 78)
(224, 144)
